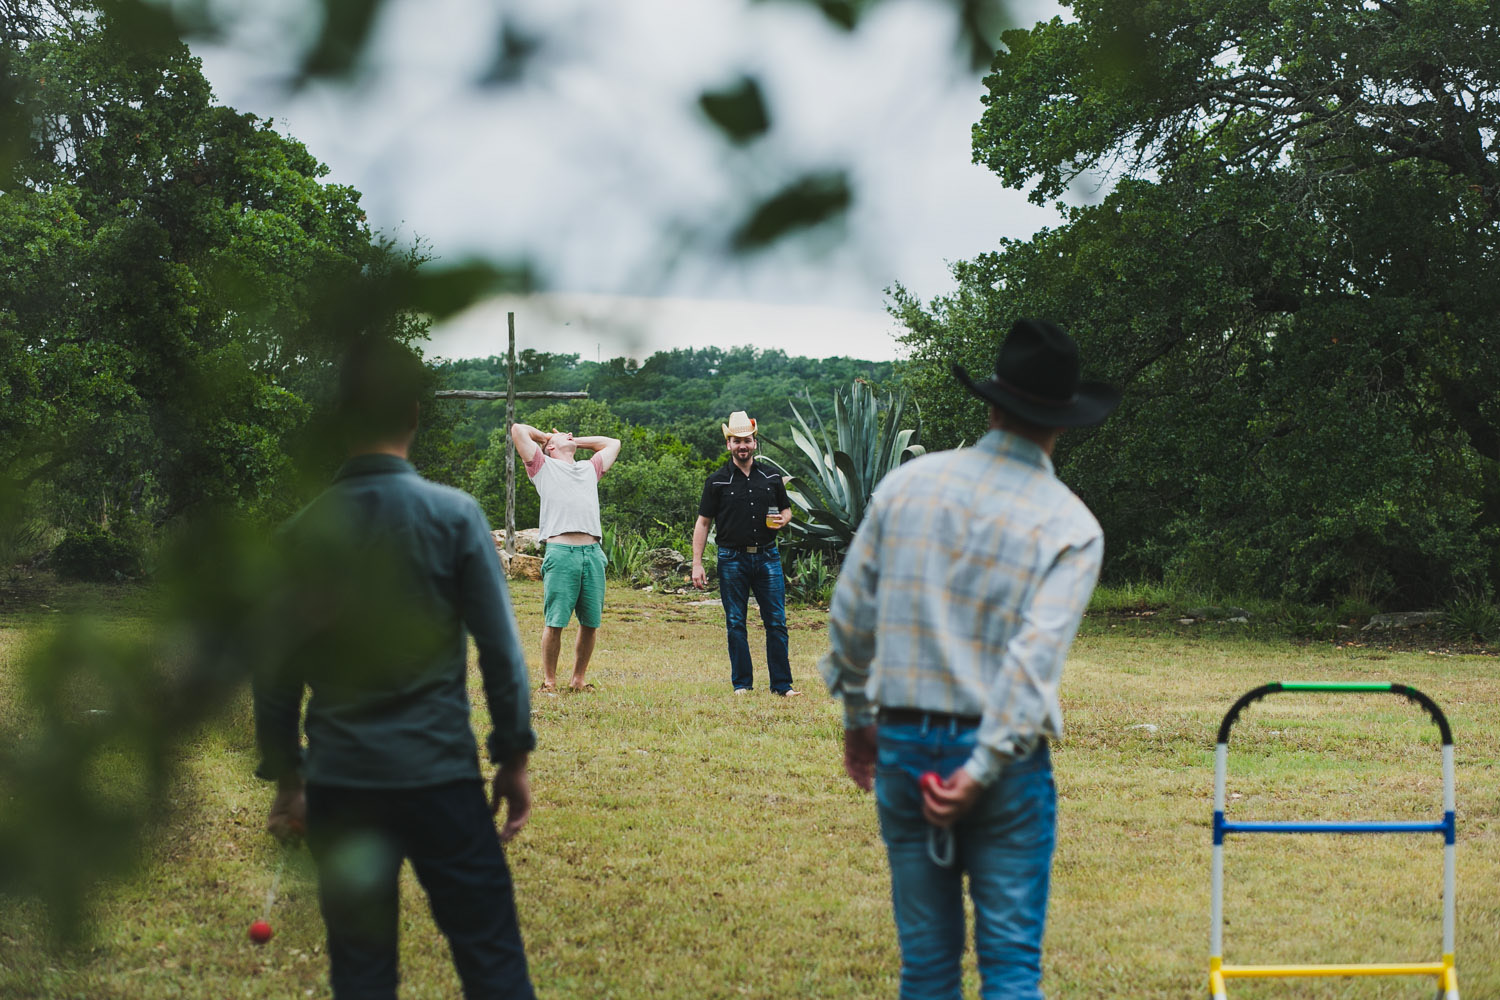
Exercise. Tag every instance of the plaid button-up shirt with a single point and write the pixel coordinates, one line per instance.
(961, 593)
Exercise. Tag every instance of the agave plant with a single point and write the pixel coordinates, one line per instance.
(625, 554)
(810, 578)
(833, 478)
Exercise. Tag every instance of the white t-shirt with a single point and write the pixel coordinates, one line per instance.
(570, 495)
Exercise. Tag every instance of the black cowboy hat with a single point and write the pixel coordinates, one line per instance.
(1036, 379)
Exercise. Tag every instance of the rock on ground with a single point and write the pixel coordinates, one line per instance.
(526, 541)
(1403, 619)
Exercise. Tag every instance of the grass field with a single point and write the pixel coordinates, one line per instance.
(688, 843)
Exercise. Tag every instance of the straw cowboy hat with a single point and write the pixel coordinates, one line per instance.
(1036, 379)
(740, 425)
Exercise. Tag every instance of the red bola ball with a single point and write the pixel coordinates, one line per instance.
(260, 932)
(931, 779)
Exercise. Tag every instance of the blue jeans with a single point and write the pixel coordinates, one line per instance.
(358, 838)
(1004, 844)
(740, 573)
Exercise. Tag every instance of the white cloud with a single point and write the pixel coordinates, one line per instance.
(598, 167)
(600, 327)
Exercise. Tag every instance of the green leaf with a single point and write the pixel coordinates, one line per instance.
(441, 293)
(844, 14)
(140, 25)
(810, 200)
(347, 25)
(515, 51)
(739, 111)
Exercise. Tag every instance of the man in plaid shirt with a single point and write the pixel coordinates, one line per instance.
(959, 598)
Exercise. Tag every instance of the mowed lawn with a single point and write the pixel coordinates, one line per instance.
(689, 843)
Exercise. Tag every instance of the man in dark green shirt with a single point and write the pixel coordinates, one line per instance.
(385, 573)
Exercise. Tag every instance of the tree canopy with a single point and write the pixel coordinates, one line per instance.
(174, 279)
(1293, 273)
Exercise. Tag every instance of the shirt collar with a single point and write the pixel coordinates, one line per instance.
(1010, 446)
(374, 465)
(733, 469)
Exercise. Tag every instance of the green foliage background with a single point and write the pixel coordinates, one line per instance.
(175, 281)
(667, 411)
(1293, 272)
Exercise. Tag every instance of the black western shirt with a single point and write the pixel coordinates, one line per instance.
(738, 504)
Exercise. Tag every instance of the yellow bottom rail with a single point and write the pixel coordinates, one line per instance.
(1446, 975)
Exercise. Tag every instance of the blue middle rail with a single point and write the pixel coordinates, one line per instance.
(1446, 827)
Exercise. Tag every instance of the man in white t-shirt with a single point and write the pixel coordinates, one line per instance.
(573, 567)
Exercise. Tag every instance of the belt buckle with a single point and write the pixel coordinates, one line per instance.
(752, 549)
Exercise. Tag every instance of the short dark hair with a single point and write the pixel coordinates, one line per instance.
(1017, 423)
(381, 383)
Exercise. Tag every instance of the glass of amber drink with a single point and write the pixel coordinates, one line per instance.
(773, 518)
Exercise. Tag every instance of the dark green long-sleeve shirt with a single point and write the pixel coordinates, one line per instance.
(383, 575)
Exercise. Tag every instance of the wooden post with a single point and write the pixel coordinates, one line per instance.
(510, 453)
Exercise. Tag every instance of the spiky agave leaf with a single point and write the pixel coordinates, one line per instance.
(832, 476)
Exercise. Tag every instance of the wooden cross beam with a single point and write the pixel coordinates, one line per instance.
(523, 394)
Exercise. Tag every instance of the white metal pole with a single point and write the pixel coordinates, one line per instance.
(1450, 798)
(1216, 914)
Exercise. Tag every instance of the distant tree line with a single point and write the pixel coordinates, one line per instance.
(687, 392)
(668, 411)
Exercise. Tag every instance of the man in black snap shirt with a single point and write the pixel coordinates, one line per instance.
(748, 505)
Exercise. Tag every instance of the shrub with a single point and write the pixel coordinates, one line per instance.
(96, 556)
(653, 498)
(626, 555)
(1301, 621)
(810, 577)
(27, 540)
(1355, 610)
(1128, 597)
(1472, 617)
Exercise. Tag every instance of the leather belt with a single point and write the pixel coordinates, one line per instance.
(752, 549)
(917, 717)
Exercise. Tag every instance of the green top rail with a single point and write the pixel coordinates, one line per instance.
(1402, 690)
(1334, 686)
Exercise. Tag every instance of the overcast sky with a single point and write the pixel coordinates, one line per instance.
(598, 168)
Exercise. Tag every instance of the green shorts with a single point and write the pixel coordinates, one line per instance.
(573, 580)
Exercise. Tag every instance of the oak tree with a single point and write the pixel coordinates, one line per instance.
(1293, 271)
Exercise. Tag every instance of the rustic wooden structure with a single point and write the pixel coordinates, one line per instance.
(510, 395)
